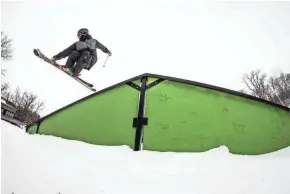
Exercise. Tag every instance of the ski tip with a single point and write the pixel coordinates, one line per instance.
(35, 52)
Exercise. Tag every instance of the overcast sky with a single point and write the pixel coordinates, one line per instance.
(214, 43)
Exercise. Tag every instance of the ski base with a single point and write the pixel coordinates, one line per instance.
(40, 55)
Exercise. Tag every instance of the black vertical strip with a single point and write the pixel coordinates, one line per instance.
(139, 122)
(38, 125)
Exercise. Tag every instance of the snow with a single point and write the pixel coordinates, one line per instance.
(34, 164)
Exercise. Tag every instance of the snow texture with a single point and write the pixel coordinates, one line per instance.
(39, 164)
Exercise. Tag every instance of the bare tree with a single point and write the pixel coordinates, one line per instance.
(281, 85)
(256, 82)
(275, 89)
(4, 87)
(27, 104)
(6, 50)
(5, 93)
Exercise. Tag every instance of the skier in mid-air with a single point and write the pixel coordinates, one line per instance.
(81, 54)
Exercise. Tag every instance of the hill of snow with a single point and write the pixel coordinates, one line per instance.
(38, 164)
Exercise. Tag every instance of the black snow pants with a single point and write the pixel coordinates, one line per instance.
(77, 61)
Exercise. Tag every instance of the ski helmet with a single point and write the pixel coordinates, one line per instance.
(83, 32)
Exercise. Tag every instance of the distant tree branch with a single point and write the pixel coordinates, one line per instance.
(6, 50)
(3, 71)
(4, 87)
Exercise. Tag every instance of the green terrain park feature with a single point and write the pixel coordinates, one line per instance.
(184, 117)
(105, 119)
(179, 116)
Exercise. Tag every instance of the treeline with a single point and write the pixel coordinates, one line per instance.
(272, 88)
(26, 103)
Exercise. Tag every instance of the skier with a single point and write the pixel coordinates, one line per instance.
(81, 54)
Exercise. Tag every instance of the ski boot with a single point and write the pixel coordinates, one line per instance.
(69, 71)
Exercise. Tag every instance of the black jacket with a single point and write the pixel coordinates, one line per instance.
(91, 48)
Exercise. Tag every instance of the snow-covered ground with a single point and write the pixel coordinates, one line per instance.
(37, 164)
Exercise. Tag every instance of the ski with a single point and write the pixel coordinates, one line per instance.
(40, 55)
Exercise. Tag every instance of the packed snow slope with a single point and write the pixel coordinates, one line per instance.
(41, 164)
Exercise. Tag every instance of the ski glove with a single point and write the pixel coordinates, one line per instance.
(109, 53)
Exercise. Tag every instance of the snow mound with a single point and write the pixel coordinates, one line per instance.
(34, 164)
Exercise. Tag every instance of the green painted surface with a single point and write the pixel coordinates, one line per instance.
(181, 118)
(137, 82)
(32, 129)
(150, 80)
(188, 118)
(105, 119)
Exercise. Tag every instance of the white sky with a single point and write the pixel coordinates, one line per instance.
(214, 43)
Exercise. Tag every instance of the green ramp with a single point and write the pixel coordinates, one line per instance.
(189, 117)
(103, 118)
(161, 113)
